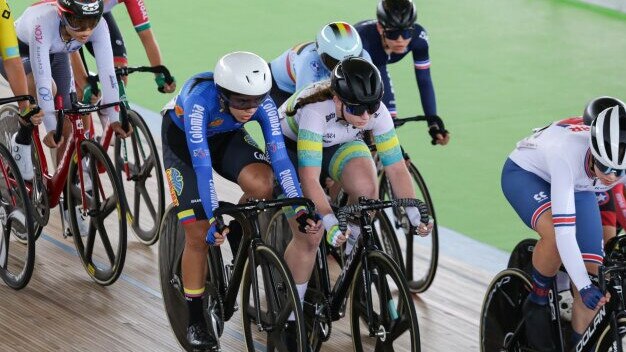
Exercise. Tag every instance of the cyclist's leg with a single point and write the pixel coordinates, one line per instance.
(62, 76)
(532, 204)
(237, 157)
(183, 187)
(589, 238)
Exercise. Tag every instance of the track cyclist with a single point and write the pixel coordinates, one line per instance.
(310, 62)
(561, 167)
(138, 14)
(47, 33)
(203, 129)
(323, 125)
(389, 39)
(11, 63)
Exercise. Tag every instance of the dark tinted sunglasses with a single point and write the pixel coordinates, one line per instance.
(80, 24)
(607, 170)
(394, 34)
(329, 61)
(358, 110)
(244, 102)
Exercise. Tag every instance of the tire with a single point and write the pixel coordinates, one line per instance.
(522, 256)
(393, 315)
(502, 310)
(146, 193)
(17, 241)
(170, 254)
(278, 298)
(9, 125)
(104, 263)
(421, 253)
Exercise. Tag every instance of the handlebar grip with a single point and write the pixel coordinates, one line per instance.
(420, 205)
(58, 103)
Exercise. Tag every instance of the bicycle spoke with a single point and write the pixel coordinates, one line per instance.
(106, 242)
(91, 239)
(109, 205)
(148, 202)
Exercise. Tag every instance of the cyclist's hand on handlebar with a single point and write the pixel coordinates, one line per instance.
(162, 86)
(214, 237)
(307, 223)
(421, 228)
(119, 131)
(592, 297)
(48, 140)
(437, 130)
(34, 113)
(334, 236)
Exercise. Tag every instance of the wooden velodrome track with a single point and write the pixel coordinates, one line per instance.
(63, 310)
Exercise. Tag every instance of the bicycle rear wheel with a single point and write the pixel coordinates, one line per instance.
(393, 318)
(502, 311)
(421, 254)
(17, 241)
(146, 185)
(102, 249)
(278, 299)
(606, 341)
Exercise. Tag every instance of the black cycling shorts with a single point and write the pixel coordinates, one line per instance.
(230, 153)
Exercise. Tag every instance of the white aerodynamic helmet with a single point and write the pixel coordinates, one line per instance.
(244, 73)
(608, 138)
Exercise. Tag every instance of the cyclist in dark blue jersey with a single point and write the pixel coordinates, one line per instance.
(389, 39)
(203, 130)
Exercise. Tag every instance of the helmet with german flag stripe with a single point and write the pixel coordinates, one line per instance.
(337, 41)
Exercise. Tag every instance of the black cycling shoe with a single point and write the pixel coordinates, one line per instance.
(199, 338)
(538, 326)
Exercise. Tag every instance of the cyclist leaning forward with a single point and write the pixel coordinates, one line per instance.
(323, 126)
(561, 166)
(203, 129)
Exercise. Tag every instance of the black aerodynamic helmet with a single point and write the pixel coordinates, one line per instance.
(396, 14)
(356, 81)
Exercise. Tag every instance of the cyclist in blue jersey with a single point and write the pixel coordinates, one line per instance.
(203, 130)
(311, 62)
(389, 39)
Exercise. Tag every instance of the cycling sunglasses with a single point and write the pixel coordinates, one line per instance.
(394, 34)
(80, 24)
(244, 102)
(358, 110)
(607, 170)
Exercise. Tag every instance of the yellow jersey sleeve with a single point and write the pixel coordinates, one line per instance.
(8, 39)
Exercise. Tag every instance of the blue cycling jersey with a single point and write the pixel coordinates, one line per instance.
(197, 111)
(418, 47)
(300, 66)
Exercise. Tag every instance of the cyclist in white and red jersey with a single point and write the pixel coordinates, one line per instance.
(323, 127)
(47, 33)
(561, 167)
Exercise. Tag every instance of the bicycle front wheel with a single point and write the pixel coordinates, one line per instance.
(421, 254)
(382, 313)
(144, 180)
(266, 322)
(502, 311)
(98, 226)
(17, 240)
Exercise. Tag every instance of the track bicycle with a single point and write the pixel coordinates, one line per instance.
(268, 293)
(382, 313)
(102, 245)
(502, 319)
(142, 170)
